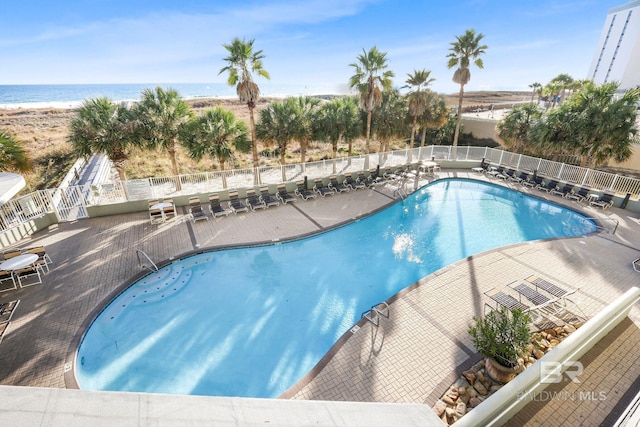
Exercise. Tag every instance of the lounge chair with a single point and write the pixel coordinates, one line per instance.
(215, 207)
(169, 211)
(579, 195)
(604, 201)
(549, 287)
(7, 309)
(322, 189)
(43, 258)
(336, 186)
(361, 179)
(303, 192)
(533, 181)
(484, 167)
(511, 175)
(566, 189)
(522, 177)
(505, 300)
(254, 201)
(374, 178)
(352, 183)
(636, 265)
(283, 195)
(497, 172)
(267, 198)
(552, 184)
(235, 204)
(6, 277)
(196, 210)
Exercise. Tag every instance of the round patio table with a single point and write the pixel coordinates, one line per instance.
(18, 262)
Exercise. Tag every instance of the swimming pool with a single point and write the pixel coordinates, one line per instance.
(253, 321)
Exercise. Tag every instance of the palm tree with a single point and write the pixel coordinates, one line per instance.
(564, 82)
(369, 75)
(215, 133)
(161, 114)
(389, 121)
(535, 87)
(13, 155)
(102, 127)
(241, 63)
(277, 125)
(306, 109)
(465, 49)
(417, 101)
(434, 115)
(514, 128)
(338, 119)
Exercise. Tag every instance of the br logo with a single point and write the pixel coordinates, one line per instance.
(552, 372)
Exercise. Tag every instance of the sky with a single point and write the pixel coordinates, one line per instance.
(304, 42)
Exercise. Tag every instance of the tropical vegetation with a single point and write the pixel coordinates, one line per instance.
(13, 154)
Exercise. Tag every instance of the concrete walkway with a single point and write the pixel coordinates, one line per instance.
(411, 358)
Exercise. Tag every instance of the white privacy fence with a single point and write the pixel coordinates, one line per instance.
(69, 203)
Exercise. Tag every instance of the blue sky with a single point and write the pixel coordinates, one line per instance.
(308, 41)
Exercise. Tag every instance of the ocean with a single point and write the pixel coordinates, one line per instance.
(66, 96)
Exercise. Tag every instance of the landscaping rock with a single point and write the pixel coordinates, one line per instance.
(480, 388)
(470, 376)
(569, 328)
(538, 353)
(461, 409)
(439, 407)
(474, 401)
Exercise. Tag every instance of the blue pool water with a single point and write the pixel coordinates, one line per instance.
(253, 321)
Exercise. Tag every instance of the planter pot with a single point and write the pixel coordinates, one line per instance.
(500, 373)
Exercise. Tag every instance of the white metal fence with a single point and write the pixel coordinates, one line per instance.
(70, 202)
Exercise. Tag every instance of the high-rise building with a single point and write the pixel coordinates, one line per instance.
(617, 56)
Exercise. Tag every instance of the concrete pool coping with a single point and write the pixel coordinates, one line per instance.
(37, 343)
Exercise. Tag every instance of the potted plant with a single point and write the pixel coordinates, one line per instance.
(500, 336)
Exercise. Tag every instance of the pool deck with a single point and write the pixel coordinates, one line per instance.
(411, 357)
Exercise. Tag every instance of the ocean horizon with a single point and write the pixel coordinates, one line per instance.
(72, 95)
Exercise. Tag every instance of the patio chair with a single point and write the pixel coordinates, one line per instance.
(11, 253)
(267, 198)
(552, 184)
(196, 210)
(254, 201)
(169, 211)
(283, 195)
(6, 277)
(374, 178)
(511, 175)
(7, 309)
(336, 186)
(156, 216)
(322, 189)
(235, 204)
(521, 178)
(497, 172)
(352, 183)
(604, 201)
(579, 195)
(26, 273)
(3, 329)
(43, 258)
(566, 189)
(303, 192)
(215, 208)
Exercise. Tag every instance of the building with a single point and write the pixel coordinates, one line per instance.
(617, 55)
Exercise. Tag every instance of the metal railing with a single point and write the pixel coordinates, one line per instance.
(26, 208)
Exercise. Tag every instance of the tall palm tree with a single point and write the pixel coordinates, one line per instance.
(535, 87)
(370, 74)
(13, 155)
(241, 63)
(161, 114)
(465, 49)
(278, 125)
(216, 133)
(417, 101)
(390, 120)
(564, 82)
(102, 127)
